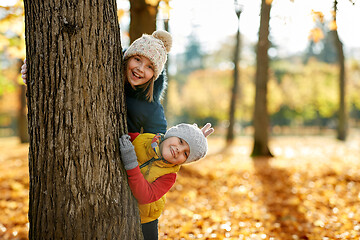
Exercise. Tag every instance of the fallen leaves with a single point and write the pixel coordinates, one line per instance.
(310, 190)
(14, 189)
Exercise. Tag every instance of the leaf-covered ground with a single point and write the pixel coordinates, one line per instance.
(310, 190)
(14, 189)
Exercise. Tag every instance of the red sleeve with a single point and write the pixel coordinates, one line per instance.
(133, 136)
(146, 192)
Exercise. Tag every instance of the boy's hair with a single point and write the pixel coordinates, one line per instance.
(193, 136)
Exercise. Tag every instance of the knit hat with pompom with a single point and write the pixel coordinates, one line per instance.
(193, 136)
(155, 47)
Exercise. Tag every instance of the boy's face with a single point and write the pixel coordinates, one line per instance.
(139, 70)
(175, 150)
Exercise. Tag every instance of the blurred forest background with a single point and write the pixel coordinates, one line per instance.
(312, 104)
(303, 88)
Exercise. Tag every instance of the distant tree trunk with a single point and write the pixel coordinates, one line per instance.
(78, 187)
(342, 116)
(234, 90)
(166, 93)
(142, 18)
(22, 121)
(261, 117)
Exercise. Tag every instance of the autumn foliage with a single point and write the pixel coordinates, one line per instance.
(310, 190)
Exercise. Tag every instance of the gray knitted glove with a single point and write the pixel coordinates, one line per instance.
(128, 155)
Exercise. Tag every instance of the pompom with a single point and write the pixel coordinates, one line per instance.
(165, 37)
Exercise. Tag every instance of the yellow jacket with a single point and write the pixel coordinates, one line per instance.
(151, 167)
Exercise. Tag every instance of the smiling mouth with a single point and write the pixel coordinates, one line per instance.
(136, 75)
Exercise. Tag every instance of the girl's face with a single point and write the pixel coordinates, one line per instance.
(139, 70)
(175, 150)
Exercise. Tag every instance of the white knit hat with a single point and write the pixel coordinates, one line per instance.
(155, 47)
(193, 136)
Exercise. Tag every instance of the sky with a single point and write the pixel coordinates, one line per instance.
(215, 21)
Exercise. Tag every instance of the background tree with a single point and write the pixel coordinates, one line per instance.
(142, 17)
(234, 90)
(165, 13)
(342, 116)
(322, 49)
(261, 118)
(78, 187)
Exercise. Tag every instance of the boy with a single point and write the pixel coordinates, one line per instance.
(160, 157)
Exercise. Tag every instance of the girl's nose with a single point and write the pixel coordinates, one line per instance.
(141, 67)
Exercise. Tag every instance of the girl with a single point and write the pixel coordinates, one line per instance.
(144, 84)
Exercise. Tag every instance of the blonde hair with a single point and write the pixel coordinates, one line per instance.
(147, 88)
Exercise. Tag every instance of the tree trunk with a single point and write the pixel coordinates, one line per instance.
(165, 100)
(142, 18)
(78, 187)
(261, 117)
(342, 116)
(234, 90)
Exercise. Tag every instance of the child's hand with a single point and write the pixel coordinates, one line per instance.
(24, 71)
(128, 155)
(207, 129)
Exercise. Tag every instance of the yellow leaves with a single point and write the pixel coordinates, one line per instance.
(12, 28)
(314, 192)
(317, 16)
(186, 227)
(3, 42)
(17, 52)
(289, 197)
(333, 25)
(316, 34)
(120, 14)
(319, 223)
(152, 2)
(268, 2)
(165, 9)
(18, 27)
(19, 3)
(14, 189)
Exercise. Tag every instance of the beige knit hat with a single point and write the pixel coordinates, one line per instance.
(193, 136)
(155, 47)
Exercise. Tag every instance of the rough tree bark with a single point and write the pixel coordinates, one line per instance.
(78, 187)
(261, 116)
